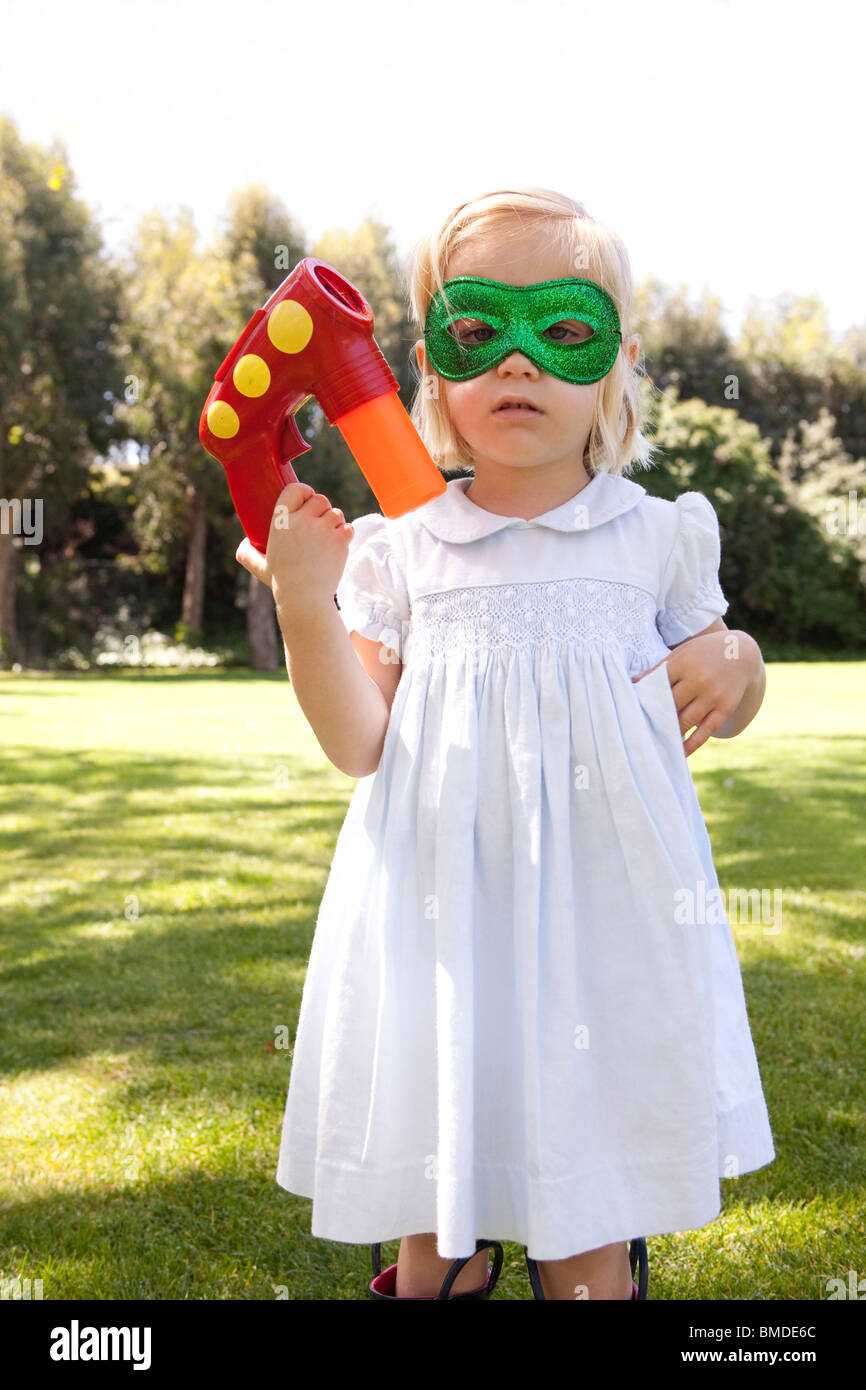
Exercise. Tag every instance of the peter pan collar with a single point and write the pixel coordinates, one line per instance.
(452, 516)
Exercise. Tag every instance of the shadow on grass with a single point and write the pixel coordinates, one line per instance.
(191, 1237)
(59, 796)
(155, 928)
(809, 830)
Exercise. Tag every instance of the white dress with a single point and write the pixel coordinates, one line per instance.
(523, 1017)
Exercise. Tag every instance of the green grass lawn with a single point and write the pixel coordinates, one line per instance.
(165, 843)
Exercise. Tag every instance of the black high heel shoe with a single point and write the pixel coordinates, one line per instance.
(637, 1258)
(384, 1282)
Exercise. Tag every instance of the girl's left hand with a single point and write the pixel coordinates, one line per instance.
(709, 676)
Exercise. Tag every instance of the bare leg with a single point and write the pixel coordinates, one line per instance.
(601, 1273)
(420, 1270)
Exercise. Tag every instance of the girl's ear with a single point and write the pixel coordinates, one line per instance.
(631, 346)
(420, 354)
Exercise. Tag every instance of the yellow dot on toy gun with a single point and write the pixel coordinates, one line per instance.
(251, 375)
(290, 327)
(222, 420)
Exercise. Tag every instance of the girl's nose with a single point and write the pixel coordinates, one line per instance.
(516, 362)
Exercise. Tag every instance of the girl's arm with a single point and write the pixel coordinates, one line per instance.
(381, 663)
(754, 691)
(347, 708)
(347, 703)
(719, 680)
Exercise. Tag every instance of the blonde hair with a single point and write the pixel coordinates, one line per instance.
(616, 439)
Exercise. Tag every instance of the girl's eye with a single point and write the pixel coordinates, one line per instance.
(474, 332)
(579, 331)
(467, 330)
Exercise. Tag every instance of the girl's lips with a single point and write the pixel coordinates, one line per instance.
(517, 412)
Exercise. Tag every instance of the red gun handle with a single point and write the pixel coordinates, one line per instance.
(257, 478)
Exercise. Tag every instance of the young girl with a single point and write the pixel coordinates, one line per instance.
(520, 1019)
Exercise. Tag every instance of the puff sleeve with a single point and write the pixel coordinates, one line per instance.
(372, 596)
(690, 595)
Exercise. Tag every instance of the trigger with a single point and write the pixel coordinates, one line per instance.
(292, 442)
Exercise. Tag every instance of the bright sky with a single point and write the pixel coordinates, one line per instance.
(723, 139)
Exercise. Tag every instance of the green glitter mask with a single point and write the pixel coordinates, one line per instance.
(518, 317)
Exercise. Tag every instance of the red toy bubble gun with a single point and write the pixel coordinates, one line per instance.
(313, 337)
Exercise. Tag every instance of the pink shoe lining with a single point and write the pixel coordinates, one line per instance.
(386, 1283)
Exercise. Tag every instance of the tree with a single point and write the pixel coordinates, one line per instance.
(846, 390)
(789, 349)
(786, 579)
(60, 306)
(827, 483)
(185, 309)
(685, 345)
(258, 223)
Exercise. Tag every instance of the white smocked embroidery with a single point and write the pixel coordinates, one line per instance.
(513, 617)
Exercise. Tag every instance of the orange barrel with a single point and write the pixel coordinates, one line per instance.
(390, 453)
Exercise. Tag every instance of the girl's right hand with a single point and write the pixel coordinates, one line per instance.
(308, 546)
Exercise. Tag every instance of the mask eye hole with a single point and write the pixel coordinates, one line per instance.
(570, 331)
(467, 331)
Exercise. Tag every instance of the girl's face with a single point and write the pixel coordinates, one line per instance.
(554, 435)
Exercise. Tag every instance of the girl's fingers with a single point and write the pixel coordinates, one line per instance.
(251, 559)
